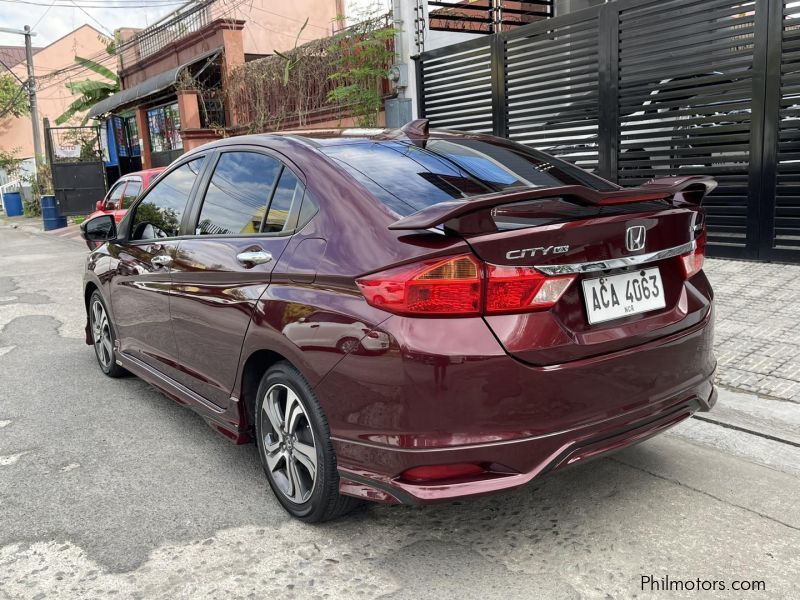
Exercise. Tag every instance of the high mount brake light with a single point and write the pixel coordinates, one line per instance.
(462, 286)
(693, 261)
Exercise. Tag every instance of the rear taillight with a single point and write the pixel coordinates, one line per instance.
(463, 286)
(693, 261)
(450, 286)
(521, 289)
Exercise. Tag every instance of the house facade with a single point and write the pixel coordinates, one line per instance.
(53, 67)
(174, 71)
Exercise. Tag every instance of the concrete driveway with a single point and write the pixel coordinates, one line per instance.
(108, 489)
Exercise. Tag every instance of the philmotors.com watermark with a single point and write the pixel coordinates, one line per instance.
(651, 583)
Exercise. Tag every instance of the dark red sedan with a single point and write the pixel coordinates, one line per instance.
(407, 316)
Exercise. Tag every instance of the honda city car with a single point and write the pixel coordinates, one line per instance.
(407, 316)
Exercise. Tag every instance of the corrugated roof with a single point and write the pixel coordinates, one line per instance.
(148, 87)
(13, 55)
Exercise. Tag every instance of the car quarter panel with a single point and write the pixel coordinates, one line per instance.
(348, 237)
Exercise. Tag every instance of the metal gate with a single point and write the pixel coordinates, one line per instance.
(76, 163)
(636, 89)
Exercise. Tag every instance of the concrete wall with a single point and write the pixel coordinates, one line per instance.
(272, 25)
(407, 47)
(53, 97)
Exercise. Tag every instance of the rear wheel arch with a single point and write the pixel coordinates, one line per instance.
(90, 288)
(253, 371)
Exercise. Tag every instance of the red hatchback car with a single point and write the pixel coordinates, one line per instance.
(124, 191)
(407, 316)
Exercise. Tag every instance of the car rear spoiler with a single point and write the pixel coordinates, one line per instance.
(472, 216)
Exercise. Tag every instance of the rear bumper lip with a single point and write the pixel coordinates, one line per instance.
(574, 448)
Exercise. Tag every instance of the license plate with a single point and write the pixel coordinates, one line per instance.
(623, 295)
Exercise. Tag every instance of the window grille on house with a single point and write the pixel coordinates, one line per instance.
(485, 16)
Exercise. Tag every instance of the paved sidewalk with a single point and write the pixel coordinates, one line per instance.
(34, 225)
(757, 335)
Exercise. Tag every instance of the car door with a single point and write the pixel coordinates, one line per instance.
(140, 286)
(243, 221)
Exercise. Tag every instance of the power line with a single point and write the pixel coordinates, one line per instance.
(103, 57)
(12, 72)
(84, 11)
(44, 14)
(99, 3)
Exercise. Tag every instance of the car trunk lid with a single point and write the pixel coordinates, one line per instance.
(570, 230)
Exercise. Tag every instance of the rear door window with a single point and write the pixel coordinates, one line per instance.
(253, 193)
(238, 195)
(283, 209)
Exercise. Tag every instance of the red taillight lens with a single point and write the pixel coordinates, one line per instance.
(463, 286)
(693, 261)
(520, 289)
(450, 286)
(441, 472)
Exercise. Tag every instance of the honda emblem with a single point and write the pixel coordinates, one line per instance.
(635, 237)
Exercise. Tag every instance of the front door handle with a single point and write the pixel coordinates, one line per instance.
(251, 258)
(162, 260)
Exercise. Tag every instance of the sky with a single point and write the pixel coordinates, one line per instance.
(64, 17)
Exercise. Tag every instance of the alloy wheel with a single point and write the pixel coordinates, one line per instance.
(101, 333)
(349, 345)
(289, 445)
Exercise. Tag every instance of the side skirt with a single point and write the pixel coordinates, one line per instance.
(227, 422)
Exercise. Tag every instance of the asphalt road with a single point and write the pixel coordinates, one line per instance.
(108, 489)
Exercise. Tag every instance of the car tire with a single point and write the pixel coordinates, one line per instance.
(295, 448)
(103, 336)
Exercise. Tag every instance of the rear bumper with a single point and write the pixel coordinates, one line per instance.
(540, 455)
(406, 409)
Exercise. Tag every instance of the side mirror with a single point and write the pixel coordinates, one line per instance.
(98, 205)
(100, 229)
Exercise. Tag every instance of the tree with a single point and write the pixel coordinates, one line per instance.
(10, 163)
(13, 97)
(91, 91)
(362, 55)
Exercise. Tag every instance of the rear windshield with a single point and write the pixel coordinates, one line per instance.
(408, 177)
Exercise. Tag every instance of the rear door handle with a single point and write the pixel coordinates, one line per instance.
(162, 260)
(252, 258)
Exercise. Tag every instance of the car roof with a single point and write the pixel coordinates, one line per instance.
(317, 138)
(144, 172)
